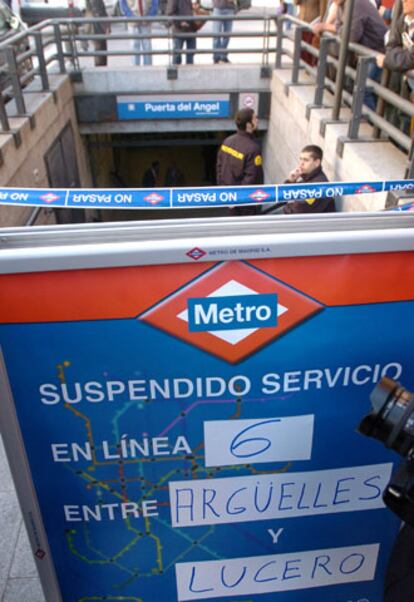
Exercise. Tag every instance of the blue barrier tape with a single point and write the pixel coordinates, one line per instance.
(179, 198)
(405, 207)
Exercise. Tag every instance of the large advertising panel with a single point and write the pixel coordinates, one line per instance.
(191, 428)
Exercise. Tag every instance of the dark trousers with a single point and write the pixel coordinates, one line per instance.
(370, 99)
(179, 44)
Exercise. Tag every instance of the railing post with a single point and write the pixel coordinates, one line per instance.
(358, 96)
(59, 47)
(380, 110)
(4, 120)
(71, 45)
(409, 173)
(321, 72)
(279, 42)
(343, 56)
(172, 71)
(41, 59)
(296, 54)
(15, 81)
(266, 40)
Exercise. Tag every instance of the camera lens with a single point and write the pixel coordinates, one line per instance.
(392, 418)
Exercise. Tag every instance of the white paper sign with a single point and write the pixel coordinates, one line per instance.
(230, 442)
(275, 573)
(287, 495)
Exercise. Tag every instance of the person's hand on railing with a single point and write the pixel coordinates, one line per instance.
(329, 23)
(319, 28)
(380, 60)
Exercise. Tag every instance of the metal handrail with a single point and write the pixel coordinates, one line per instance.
(383, 127)
(57, 40)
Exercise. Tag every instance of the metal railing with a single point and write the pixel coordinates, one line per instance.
(292, 46)
(69, 45)
(73, 34)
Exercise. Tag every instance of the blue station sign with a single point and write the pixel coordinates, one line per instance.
(182, 106)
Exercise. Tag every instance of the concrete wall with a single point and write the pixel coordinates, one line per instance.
(289, 131)
(24, 165)
(99, 83)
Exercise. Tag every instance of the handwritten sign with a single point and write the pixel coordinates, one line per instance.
(175, 463)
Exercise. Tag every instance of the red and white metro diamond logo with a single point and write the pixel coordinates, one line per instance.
(153, 198)
(366, 188)
(196, 253)
(242, 284)
(259, 195)
(49, 197)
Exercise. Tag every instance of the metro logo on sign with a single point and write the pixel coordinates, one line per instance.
(49, 197)
(196, 253)
(259, 195)
(228, 313)
(153, 198)
(231, 311)
(366, 188)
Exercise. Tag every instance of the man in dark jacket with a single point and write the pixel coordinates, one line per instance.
(308, 171)
(152, 176)
(368, 29)
(239, 160)
(182, 8)
(367, 26)
(399, 42)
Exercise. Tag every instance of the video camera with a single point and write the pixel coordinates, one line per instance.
(392, 422)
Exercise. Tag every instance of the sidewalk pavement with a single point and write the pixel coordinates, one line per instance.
(19, 581)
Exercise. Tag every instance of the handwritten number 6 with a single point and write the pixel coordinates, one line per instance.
(255, 445)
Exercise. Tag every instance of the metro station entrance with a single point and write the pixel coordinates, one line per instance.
(121, 160)
(184, 159)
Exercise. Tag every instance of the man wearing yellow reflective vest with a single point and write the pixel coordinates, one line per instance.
(308, 171)
(239, 160)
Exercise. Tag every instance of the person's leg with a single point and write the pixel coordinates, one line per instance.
(100, 61)
(217, 25)
(85, 30)
(290, 10)
(146, 43)
(136, 44)
(178, 44)
(191, 46)
(374, 72)
(227, 28)
(100, 45)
